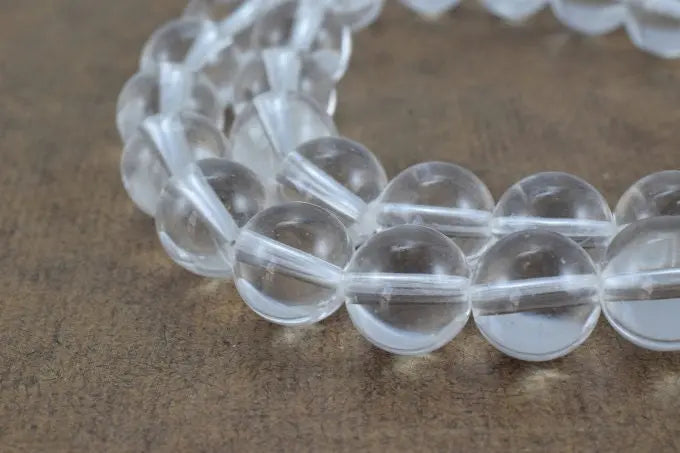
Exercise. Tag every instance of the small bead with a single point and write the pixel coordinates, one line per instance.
(154, 152)
(654, 195)
(337, 174)
(557, 202)
(272, 126)
(200, 210)
(443, 196)
(514, 10)
(591, 17)
(431, 8)
(535, 295)
(140, 98)
(654, 26)
(641, 283)
(289, 261)
(406, 290)
(356, 14)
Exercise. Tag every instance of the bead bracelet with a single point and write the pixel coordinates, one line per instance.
(305, 221)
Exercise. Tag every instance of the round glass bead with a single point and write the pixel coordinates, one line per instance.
(641, 283)
(406, 290)
(514, 10)
(534, 295)
(430, 8)
(272, 126)
(654, 195)
(443, 196)
(557, 202)
(356, 14)
(140, 99)
(145, 161)
(289, 261)
(331, 46)
(256, 77)
(191, 211)
(654, 26)
(337, 174)
(591, 17)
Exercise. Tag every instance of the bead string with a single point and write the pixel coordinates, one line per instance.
(306, 221)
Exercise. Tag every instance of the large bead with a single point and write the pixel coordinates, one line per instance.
(430, 8)
(200, 211)
(514, 10)
(535, 295)
(406, 290)
(641, 283)
(443, 196)
(654, 26)
(162, 146)
(591, 17)
(289, 262)
(557, 202)
(654, 195)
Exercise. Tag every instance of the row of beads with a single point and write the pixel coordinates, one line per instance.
(408, 287)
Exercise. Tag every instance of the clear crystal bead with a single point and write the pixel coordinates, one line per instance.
(591, 17)
(430, 8)
(654, 195)
(356, 14)
(514, 10)
(654, 26)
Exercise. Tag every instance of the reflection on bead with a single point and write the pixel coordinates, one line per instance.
(443, 196)
(200, 210)
(654, 26)
(140, 98)
(338, 174)
(356, 14)
(641, 283)
(654, 195)
(272, 126)
(557, 202)
(430, 8)
(514, 10)
(406, 290)
(591, 17)
(534, 295)
(162, 145)
(289, 261)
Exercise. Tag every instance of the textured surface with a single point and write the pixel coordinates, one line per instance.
(106, 345)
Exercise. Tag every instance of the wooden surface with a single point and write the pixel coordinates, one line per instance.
(108, 346)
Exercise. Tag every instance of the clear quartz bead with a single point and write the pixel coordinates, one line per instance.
(654, 26)
(272, 126)
(141, 96)
(534, 295)
(557, 202)
(514, 10)
(443, 196)
(304, 25)
(654, 195)
(591, 17)
(430, 8)
(276, 69)
(163, 146)
(289, 262)
(337, 174)
(641, 283)
(356, 14)
(406, 290)
(200, 211)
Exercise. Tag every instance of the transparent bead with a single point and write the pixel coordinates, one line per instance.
(430, 8)
(406, 290)
(337, 174)
(535, 295)
(263, 72)
(157, 150)
(514, 10)
(654, 195)
(641, 283)
(140, 99)
(356, 14)
(557, 202)
(654, 26)
(289, 262)
(330, 44)
(443, 196)
(200, 211)
(272, 126)
(591, 17)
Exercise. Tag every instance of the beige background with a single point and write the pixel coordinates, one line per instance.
(106, 345)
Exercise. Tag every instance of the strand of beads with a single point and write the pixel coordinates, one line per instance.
(281, 206)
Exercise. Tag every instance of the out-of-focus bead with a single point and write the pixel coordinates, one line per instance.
(654, 195)
(514, 10)
(430, 8)
(535, 295)
(406, 290)
(356, 14)
(591, 17)
(289, 262)
(654, 26)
